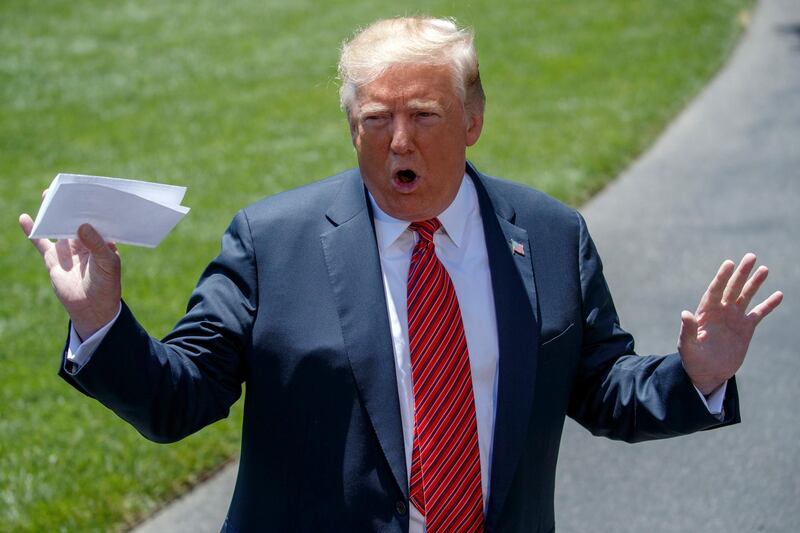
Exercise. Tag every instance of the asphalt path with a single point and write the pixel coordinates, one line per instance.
(723, 179)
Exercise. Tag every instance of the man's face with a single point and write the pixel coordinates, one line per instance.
(411, 133)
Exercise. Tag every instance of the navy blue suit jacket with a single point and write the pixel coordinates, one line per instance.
(294, 306)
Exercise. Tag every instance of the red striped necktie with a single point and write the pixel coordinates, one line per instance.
(445, 461)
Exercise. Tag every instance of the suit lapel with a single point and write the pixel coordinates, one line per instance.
(354, 272)
(518, 338)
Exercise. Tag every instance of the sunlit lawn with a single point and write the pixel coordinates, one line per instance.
(237, 100)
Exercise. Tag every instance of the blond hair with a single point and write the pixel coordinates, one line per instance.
(410, 40)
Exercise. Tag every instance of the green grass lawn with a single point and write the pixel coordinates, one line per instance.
(238, 100)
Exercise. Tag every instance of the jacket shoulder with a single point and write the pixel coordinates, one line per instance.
(531, 205)
(307, 201)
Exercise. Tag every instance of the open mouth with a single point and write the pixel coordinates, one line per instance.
(406, 175)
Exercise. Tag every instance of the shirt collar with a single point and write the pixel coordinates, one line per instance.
(454, 218)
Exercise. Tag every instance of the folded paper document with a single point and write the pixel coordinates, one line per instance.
(123, 211)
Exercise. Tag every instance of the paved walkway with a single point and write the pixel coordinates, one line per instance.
(723, 179)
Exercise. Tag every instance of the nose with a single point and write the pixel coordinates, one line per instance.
(402, 136)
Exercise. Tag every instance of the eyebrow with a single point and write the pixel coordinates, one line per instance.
(424, 105)
(367, 109)
(416, 104)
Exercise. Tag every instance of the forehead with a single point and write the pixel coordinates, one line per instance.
(410, 83)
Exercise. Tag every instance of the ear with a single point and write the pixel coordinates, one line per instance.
(351, 122)
(474, 126)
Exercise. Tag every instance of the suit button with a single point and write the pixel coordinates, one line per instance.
(401, 508)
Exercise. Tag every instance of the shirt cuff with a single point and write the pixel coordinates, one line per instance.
(79, 353)
(713, 401)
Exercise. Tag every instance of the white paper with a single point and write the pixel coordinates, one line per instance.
(121, 210)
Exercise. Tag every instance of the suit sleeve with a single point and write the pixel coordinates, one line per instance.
(171, 388)
(619, 394)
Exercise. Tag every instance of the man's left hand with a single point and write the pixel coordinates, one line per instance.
(713, 340)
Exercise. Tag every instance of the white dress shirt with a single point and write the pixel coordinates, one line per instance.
(461, 247)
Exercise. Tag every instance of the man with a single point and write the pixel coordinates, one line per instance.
(412, 333)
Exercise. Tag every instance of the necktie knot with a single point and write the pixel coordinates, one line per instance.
(426, 228)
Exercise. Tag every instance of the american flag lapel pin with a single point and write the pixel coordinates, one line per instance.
(517, 248)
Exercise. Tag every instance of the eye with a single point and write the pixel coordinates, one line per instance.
(426, 117)
(374, 119)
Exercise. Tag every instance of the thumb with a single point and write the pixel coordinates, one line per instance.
(93, 241)
(688, 334)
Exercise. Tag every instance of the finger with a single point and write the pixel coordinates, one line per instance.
(760, 311)
(26, 223)
(63, 255)
(734, 287)
(688, 334)
(751, 287)
(720, 281)
(44, 193)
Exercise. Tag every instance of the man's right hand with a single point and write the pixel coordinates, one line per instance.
(86, 276)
